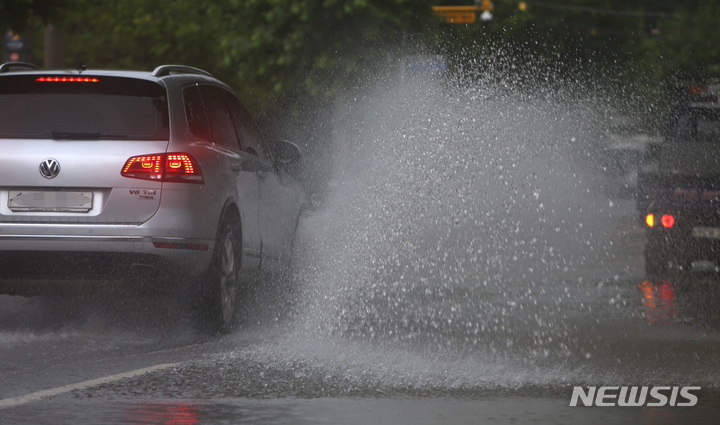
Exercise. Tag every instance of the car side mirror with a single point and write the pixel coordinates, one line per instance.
(286, 153)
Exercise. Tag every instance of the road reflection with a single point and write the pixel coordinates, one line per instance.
(659, 301)
(689, 299)
(659, 417)
(158, 413)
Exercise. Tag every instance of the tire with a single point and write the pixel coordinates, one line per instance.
(222, 281)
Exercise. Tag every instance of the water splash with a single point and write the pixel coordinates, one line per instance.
(465, 243)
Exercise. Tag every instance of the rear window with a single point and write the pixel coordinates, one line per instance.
(45, 107)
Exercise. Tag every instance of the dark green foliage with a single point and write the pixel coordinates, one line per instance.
(310, 47)
(292, 50)
(18, 14)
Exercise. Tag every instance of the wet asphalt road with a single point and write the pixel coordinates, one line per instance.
(58, 358)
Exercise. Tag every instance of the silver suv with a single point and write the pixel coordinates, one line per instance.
(140, 178)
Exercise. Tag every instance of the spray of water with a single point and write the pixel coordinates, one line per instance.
(440, 189)
(464, 244)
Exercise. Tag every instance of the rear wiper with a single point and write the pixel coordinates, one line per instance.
(70, 135)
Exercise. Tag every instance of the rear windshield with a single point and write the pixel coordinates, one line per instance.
(45, 107)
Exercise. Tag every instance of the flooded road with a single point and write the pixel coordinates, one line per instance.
(464, 266)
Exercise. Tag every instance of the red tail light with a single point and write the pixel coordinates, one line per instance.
(667, 220)
(67, 80)
(697, 89)
(171, 167)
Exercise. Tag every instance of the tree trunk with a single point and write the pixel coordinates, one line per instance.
(54, 47)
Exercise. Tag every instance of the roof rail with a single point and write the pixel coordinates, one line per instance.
(9, 66)
(164, 70)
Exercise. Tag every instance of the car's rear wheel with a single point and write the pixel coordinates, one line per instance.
(222, 282)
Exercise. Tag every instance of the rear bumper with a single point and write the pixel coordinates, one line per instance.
(176, 240)
(31, 261)
(681, 242)
(163, 246)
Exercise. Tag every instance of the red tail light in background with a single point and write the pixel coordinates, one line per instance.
(667, 221)
(697, 89)
(171, 167)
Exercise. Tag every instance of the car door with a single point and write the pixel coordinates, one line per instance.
(238, 169)
(279, 193)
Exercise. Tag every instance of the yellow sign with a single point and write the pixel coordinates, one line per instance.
(461, 14)
(456, 14)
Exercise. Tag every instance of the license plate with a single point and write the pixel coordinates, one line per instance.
(49, 201)
(706, 232)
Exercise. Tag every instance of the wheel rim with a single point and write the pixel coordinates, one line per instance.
(228, 279)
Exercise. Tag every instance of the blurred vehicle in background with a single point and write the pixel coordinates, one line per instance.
(679, 189)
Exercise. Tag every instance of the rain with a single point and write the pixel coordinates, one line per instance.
(464, 254)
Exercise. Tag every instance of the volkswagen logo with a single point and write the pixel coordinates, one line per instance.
(49, 168)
